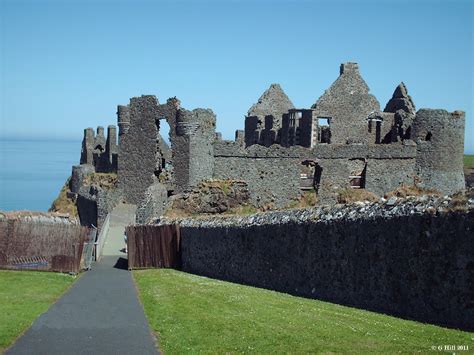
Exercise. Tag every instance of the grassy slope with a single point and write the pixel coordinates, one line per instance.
(192, 314)
(24, 295)
(469, 161)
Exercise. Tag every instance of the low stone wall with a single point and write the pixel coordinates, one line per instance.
(413, 260)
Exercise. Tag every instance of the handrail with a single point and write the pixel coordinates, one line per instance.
(101, 237)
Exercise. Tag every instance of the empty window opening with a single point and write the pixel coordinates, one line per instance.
(318, 172)
(323, 121)
(324, 129)
(357, 177)
(324, 135)
(307, 174)
(165, 130)
(428, 136)
(99, 148)
(378, 132)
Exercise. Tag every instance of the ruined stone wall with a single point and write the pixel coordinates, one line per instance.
(416, 266)
(153, 205)
(79, 173)
(136, 166)
(99, 151)
(95, 203)
(386, 167)
(192, 147)
(348, 104)
(272, 174)
(439, 136)
(263, 122)
(384, 175)
(142, 149)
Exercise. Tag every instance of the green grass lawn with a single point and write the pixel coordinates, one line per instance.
(469, 161)
(195, 314)
(24, 295)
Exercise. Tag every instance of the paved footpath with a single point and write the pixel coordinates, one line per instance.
(100, 314)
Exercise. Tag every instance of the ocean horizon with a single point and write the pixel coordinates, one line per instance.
(33, 171)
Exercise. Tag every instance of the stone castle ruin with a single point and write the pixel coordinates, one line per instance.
(344, 141)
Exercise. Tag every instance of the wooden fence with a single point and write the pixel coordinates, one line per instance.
(41, 243)
(153, 246)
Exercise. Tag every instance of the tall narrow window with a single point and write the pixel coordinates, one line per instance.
(324, 134)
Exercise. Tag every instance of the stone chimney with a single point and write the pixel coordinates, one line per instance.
(349, 67)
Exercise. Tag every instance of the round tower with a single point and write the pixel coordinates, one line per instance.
(123, 119)
(439, 136)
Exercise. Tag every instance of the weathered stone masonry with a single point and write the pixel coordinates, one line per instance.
(414, 266)
(344, 141)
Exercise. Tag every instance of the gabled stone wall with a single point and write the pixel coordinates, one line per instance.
(347, 104)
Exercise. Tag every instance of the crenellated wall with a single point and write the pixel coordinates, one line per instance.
(99, 151)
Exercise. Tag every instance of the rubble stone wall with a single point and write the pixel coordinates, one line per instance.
(393, 260)
(439, 135)
(347, 104)
(154, 203)
(273, 174)
(137, 162)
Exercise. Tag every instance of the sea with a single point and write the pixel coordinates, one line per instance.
(32, 172)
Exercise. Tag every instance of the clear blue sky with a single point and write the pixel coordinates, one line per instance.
(65, 65)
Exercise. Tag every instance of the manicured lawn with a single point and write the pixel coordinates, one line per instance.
(469, 161)
(24, 295)
(196, 314)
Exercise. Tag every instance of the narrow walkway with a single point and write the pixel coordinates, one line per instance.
(100, 314)
(121, 216)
